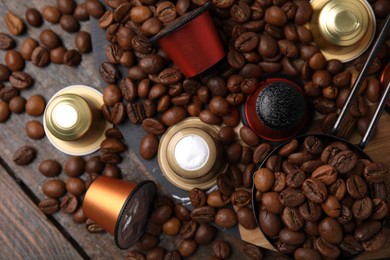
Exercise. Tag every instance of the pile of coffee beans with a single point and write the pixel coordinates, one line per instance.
(321, 198)
(260, 37)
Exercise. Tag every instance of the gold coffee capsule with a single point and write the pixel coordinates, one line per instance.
(189, 156)
(342, 29)
(73, 121)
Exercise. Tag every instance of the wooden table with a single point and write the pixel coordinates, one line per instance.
(25, 232)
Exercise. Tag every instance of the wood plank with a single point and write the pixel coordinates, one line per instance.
(25, 230)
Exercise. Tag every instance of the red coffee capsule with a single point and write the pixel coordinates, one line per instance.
(278, 110)
(192, 42)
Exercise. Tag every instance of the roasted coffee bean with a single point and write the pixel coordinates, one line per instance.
(248, 136)
(40, 57)
(264, 179)
(69, 23)
(80, 12)
(51, 14)
(7, 93)
(20, 80)
(270, 224)
(338, 189)
(161, 214)
(216, 199)
(326, 249)
(314, 190)
(91, 177)
(247, 175)
(288, 148)
(236, 59)
(197, 197)
(34, 130)
(367, 230)
(187, 248)
(74, 166)
(151, 63)
(156, 253)
(172, 226)
(153, 228)
(24, 155)
(292, 219)
(83, 42)
(240, 198)
(112, 171)
(235, 176)
(14, 60)
(6, 41)
(226, 218)
(362, 208)
(310, 211)
(148, 146)
(17, 104)
(299, 158)
(153, 126)
(306, 254)
(375, 243)
(147, 241)
(112, 145)
(330, 230)
(157, 91)
(94, 164)
(135, 112)
(118, 113)
(113, 133)
(49, 206)
(205, 234)
(203, 214)
(50, 168)
(291, 197)
(313, 145)
(381, 209)
(285, 248)
(128, 89)
(4, 73)
(295, 179)
(221, 249)
(350, 246)
(72, 58)
(325, 173)
(225, 186)
(356, 187)
(280, 181)
(331, 207)
(234, 152)
(170, 76)
(75, 186)
(54, 188)
(57, 55)
(49, 39)
(309, 166)
(35, 105)
(189, 229)
(376, 172)
(14, 24)
(108, 72)
(271, 202)
(246, 218)
(291, 237)
(252, 252)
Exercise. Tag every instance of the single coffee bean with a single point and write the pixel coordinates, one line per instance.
(83, 42)
(326, 249)
(148, 146)
(14, 60)
(285, 248)
(20, 80)
(291, 197)
(295, 179)
(189, 229)
(40, 57)
(14, 24)
(7, 93)
(34, 130)
(50, 168)
(246, 218)
(75, 186)
(325, 173)
(338, 189)
(197, 197)
(310, 166)
(306, 254)
(80, 12)
(49, 206)
(6, 41)
(187, 248)
(221, 249)
(153, 126)
(314, 190)
(4, 73)
(313, 145)
(203, 214)
(375, 243)
(170, 76)
(108, 72)
(147, 242)
(356, 187)
(299, 158)
(264, 179)
(252, 252)
(310, 211)
(270, 224)
(112, 171)
(74, 166)
(248, 136)
(57, 55)
(24, 155)
(69, 23)
(376, 172)
(291, 237)
(51, 14)
(172, 226)
(173, 116)
(367, 230)
(292, 219)
(182, 212)
(288, 148)
(216, 199)
(17, 104)
(49, 39)
(205, 234)
(72, 58)
(330, 230)
(350, 246)
(381, 209)
(271, 202)
(161, 214)
(112, 145)
(331, 207)
(54, 188)
(331, 150)
(362, 208)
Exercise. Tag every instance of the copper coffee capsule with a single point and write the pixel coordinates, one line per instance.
(73, 121)
(277, 110)
(121, 208)
(189, 155)
(342, 29)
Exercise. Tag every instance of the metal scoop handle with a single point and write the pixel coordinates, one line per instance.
(357, 85)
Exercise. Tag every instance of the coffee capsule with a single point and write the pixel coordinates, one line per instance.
(189, 155)
(385, 79)
(121, 208)
(342, 29)
(192, 42)
(277, 110)
(73, 121)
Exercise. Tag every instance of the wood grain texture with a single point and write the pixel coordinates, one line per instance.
(25, 231)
